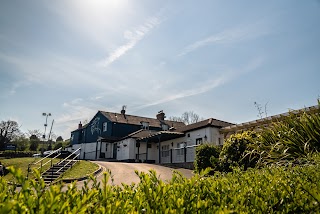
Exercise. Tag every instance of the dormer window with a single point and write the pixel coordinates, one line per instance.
(165, 127)
(145, 125)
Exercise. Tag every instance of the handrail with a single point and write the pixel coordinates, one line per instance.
(67, 163)
(70, 155)
(40, 161)
(48, 155)
(49, 160)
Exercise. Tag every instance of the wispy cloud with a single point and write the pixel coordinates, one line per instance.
(75, 111)
(226, 75)
(189, 92)
(133, 38)
(237, 34)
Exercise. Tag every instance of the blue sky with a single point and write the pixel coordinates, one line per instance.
(216, 58)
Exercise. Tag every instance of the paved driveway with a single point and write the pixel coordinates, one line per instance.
(125, 172)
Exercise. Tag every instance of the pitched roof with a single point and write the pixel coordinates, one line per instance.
(165, 135)
(208, 122)
(141, 133)
(136, 120)
(83, 127)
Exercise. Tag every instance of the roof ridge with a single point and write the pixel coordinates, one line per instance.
(140, 116)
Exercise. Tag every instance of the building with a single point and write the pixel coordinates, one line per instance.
(99, 137)
(130, 138)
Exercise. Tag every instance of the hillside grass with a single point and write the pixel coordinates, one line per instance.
(22, 163)
(81, 169)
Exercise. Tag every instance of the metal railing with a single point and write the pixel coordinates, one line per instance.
(74, 157)
(42, 159)
(179, 155)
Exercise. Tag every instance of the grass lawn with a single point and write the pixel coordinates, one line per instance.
(23, 163)
(81, 169)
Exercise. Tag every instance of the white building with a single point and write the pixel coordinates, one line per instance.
(168, 147)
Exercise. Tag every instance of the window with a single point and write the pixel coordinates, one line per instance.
(165, 151)
(198, 141)
(145, 125)
(180, 150)
(165, 127)
(105, 126)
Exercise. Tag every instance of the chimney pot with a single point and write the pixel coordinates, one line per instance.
(161, 115)
(123, 111)
(80, 125)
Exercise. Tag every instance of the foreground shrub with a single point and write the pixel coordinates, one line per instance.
(207, 155)
(233, 151)
(269, 190)
(294, 137)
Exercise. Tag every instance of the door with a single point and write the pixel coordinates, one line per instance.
(115, 151)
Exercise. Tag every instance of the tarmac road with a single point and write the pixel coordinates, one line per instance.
(125, 172)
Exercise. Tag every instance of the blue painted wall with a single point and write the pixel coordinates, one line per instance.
(94, 129)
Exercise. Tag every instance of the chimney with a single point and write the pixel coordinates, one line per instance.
(161, 115)
(80, 125)
(123, 111)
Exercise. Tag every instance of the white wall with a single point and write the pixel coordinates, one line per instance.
(212, 134)
(88, 150)
(142, 151)
(106, 149)
(130, 150)
(126, 150)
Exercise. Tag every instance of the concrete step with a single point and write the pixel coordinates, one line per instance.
(50, 175)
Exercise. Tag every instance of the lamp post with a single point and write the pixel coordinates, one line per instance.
(45, 126)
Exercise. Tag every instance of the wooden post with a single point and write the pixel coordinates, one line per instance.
(147, 151)
(159, 149)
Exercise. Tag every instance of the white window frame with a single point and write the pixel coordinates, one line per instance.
(105, 126)
(165, 151)
(180, 148)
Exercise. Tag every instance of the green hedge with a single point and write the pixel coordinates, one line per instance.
(207, 155)
(16, 154)
(292, 189)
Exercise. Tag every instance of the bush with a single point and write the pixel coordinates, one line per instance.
(34, 145)
(296, 136)
(269, 190)
(57, 145)
(233, 151)
(16, 154)
(207, 155)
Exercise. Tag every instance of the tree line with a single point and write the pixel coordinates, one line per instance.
(10, 133)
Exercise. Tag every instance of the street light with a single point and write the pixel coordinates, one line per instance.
(45, 125)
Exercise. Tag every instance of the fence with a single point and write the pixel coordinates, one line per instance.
(179, 155)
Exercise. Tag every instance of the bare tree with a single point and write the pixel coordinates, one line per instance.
(9, 130)
(187, 117)
(59, 139)
(35, 132)
(261, 113)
